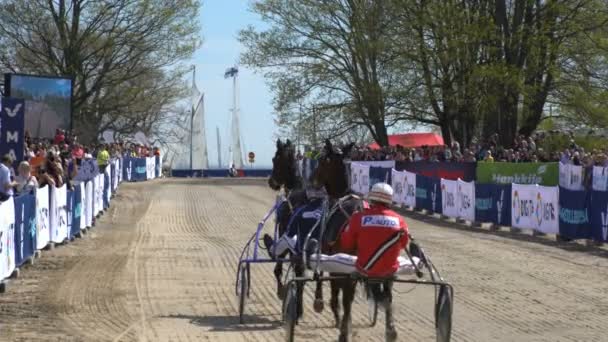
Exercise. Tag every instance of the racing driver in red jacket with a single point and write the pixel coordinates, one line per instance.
(377, 235)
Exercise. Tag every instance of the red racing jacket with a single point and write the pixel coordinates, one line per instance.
(378, 235)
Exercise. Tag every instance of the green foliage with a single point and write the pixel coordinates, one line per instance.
(125, 56)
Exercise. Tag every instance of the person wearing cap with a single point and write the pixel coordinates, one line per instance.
(6, 182)
(374, 238)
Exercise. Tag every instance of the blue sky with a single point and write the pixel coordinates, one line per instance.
(220, 21)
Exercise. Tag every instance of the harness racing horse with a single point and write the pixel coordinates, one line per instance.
(332, 174)
(285, 175)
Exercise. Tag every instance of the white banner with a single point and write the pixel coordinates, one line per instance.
(398, 184)
(109, 178)
(83, 205)
(466, 200)
(410, 189)
(600, 178)
(58, 214)
(98, 205)
(535, 207)
(150, 167)
(7, 238)
(89, 203)
(117, 172)
(571, 176)
(360, 178)
(43, 224)
(120, 164)
(449, 196)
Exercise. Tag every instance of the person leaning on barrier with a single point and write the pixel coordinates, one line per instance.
(26, 183)
(6, 183)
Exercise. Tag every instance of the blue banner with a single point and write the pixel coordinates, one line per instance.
(428, 194)
(445, 170)
(493, 203)
(599, 215)
(127, 169)
(379, 175)
(112, 175)
(574, 220)
(106, 187)
(194, 173)
(12, 121)
(25, 228)
(139, 170)
(75, 210)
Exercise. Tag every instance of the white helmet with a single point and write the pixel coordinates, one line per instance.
(381, 192)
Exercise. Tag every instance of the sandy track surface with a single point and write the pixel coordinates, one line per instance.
(160, 266)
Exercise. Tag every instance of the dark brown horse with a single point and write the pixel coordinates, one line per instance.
(332, 174)
(285, 175)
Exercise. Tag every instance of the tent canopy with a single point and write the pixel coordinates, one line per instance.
(412, 140)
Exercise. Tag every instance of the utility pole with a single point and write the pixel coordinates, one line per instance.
(314, 126)
(192, 117)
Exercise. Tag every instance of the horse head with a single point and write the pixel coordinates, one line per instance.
(331, 170)
(284, 167)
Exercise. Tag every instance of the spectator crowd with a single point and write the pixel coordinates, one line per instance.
(524, 150)
(56, 161)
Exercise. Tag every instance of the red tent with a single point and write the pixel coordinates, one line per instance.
(412, 140)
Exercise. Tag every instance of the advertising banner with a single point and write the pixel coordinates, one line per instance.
(445, 170)
(12, 123)
(379, 175)
(428, 194)
(410, 189)
(360, 178)
(150, 167)
(58, 214)
(535, 207)
(599, 215)
(493, 203)
(43, 231)
(87, 170)
(107, 190)
(574, 218)
(600, 178)
(25, 228)
(518, 173)
(571, 177)
(449, 198)
(466, 200)
(89, 210)
(398, 182)
(7, 238)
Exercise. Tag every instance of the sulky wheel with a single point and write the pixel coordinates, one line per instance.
(290, 311)
(243, 288)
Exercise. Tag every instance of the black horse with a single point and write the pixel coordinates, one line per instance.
(285, 175)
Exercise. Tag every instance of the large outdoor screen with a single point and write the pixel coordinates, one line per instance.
(48, 102)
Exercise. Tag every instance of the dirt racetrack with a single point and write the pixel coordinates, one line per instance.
(160, 264)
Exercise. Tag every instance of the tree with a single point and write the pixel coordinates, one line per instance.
(124, 55)
(332, 54)
(491, 65)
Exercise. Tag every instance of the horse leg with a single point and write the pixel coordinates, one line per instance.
(299, 271)
(318, 304)
(278, 274)
(391, 332)
(335, 306)
(348, 295)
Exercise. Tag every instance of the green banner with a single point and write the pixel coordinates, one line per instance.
(519, 173)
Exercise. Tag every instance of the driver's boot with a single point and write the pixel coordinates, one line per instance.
(268, 242)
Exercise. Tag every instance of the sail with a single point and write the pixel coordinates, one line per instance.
(199, 142)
